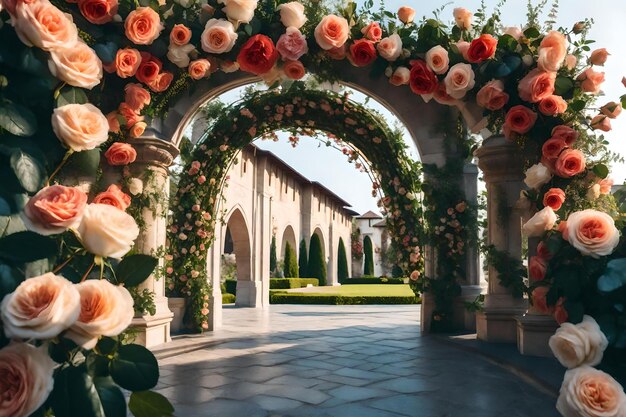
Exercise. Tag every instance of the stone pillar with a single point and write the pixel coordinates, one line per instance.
(501, 163)
(214, 269)
(154, 156)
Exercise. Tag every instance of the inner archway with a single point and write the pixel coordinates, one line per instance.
(289, 236)
(240, 236)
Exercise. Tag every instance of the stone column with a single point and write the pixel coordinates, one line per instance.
(154, 156)
(214, 269)
(501, 163)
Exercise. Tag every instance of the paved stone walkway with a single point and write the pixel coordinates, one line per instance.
(340, 361)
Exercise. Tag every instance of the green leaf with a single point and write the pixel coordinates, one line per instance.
(149, 404)
(28, 170)
(71, 95)
(532, 32)
(562, 85)
(17, 119)
(135, 368)
(577, 105)
(248, 29)
(85, 162)
(10, 278)
(601, 170)
(111, 397)
(614, 276)
(75, 394)
(135, 269)
(39, 247)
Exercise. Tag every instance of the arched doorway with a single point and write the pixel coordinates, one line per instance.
(237, 241)
(289, 236)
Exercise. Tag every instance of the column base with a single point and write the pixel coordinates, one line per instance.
(462, 318)
(498, 325)
(215, 311)
(533, 333)
(249, 294)
(154, 330)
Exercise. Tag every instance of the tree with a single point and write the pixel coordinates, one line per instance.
(303, 260)
(368, 251)
(290, 266)
(273, 255)
(317, 266)
(342, 262)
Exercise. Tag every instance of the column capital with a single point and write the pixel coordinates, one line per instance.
(153, 150)
(500, 160)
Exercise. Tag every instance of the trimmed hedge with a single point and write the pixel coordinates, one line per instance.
(372, 280)
(303, 298)
(228, 298)
(317, 265)
(290, 263)
(303, 259)
(288, 283)
(368, 252)
(230, 286)
(342, 261)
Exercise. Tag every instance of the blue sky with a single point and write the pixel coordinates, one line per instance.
(329, 166)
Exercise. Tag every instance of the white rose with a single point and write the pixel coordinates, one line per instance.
(513, 31)
(219, 36)
(542, 220)
(40, 307)
(112, 316)
(587, 392)
(592, 232)
(78, 65)
(107, 231)
(29, 372)
(292, 14)
(593, 192)
(80, 127)
(579, 344)
(135, 186)
(537, 175)
(459, 80)
(179, 55)
(239, 10)
(437, 59)
(390, 47)
(400, 76)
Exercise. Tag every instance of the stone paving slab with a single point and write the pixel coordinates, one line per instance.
(339, 361)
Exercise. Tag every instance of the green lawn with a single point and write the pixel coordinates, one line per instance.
(384, 290)
(347, 294)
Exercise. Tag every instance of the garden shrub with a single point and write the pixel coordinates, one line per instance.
(290, 263)
(287, 283)
(228, 298)
(231, 286)
(342, 261)
(302, 260)
(368, 250)
(273, 259)
(317, 265)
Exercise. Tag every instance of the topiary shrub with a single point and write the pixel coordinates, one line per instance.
(302, 260)
(228, 298)
(290, 264)
(368, 251)
(317, 266)
(230, 286)
(288, 283)
(273, 259)
(342, 261)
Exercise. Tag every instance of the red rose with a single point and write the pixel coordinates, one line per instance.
(113, 196)
(149, 68)
(257, 55)
(554, 198)
(98, 12)
(362, 52)
(422, 79)
(552, 148)
(537, 268)
(543, 251)
(482, 48)
(120, 154)
(519, 119)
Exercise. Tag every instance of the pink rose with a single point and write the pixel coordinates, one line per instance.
(400, 76)
(113, 196)
(54, 209)
(199, 68)
(588, 392)
(570, 62)
(552, 51)
(218, 37)
(406, 14)
(601, 122)
(591, 80)
(292, 45)
(462, 18)
(294, 70)
(43, 25)
(332, 32)
(565, 133)
(127, 62)
(606, 185)
(569, 163)
(463, 48)
(143, 26)
(552, 105)
(537, 268)
(459, 80)
(80, 127)
(492, 96)
(599, 56)
(180, 35)
(390, 48)
(136, 96)
(536, 85)
(437, 59)
(120, 154)
(611, 109)
(520, 119)
(592, 232)
(373, 32)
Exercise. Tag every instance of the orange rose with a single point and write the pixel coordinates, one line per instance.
(137, 129)
(606, 185)
(552, 105)
(180, 35)
(591, 80)
(127, 62)
(520, 119)
(113, 196)
(554, 198)
(77, 65)
(482, 48)
(538, 300)
(332, 32)
(406, 14)
(136, 96)
(611, 109)
(601, 122)
(536, 85)
(294, 70)
(552, 51)
(492, 96)
(41, 24)
(592, 232)
(257, 55)
(130, 116)
(569, 163)
(537, 268)
(54, 209)
(562, 228)
(143, 26)
(373, 32)
(565, 133)
(98, 12)
(199, 68)
(114, 123)
(599, 56)
(552, 148)
(162, 82)
(120, 154)
(149, 68)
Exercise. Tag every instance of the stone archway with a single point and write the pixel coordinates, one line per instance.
(288, 236)
(240, 235)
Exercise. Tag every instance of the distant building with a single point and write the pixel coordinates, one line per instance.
(374, 226)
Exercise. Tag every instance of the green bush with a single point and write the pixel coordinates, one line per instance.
(228, 298)
(302, 259)
(273, 259)
(342, 261)
(290, 268)
(303, 298)
(287, 283)
(230, 286)
(372, 280)
(317, 265)
(368, 251)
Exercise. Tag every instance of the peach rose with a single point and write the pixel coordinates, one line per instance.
(218, 37)
(143, 26)
(98, 12)
(372, 31)
(137, 129)
(552, 105)
(113, 196)
(130, 116)
(599, 57)
(78, 65)
(601, 122)
(463, 48)
(292, 45)
(591, 80)
(136, 96)
(406, 14)
(80, 127)
(536, 85)
(106, 231)
(579, 344)
(570, 62)
(588, 392)
(294, 69)
(338, 53)
(554, 198)
(400, 76)
(239, 10)
(114, 123)
(538, 299)
(537, 268)
(292, 14)
(459, 80)
(606, 185)
(552, 51)
(462, 18)
(566, 133)
(492, 96)
(552, 148)
(127, 62)
(105, 310)
(180, 35)
(592, 232)
(199, 68)
(390, 48)
(332, 32)
(611, 109)
(437, 59)
(542, 221)
(520, 119)
(43, 25)
(54, 209)
(162, 82)
(120, 154)
(569, 163)
(27, 378)
(40, 308)
(537, 175)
